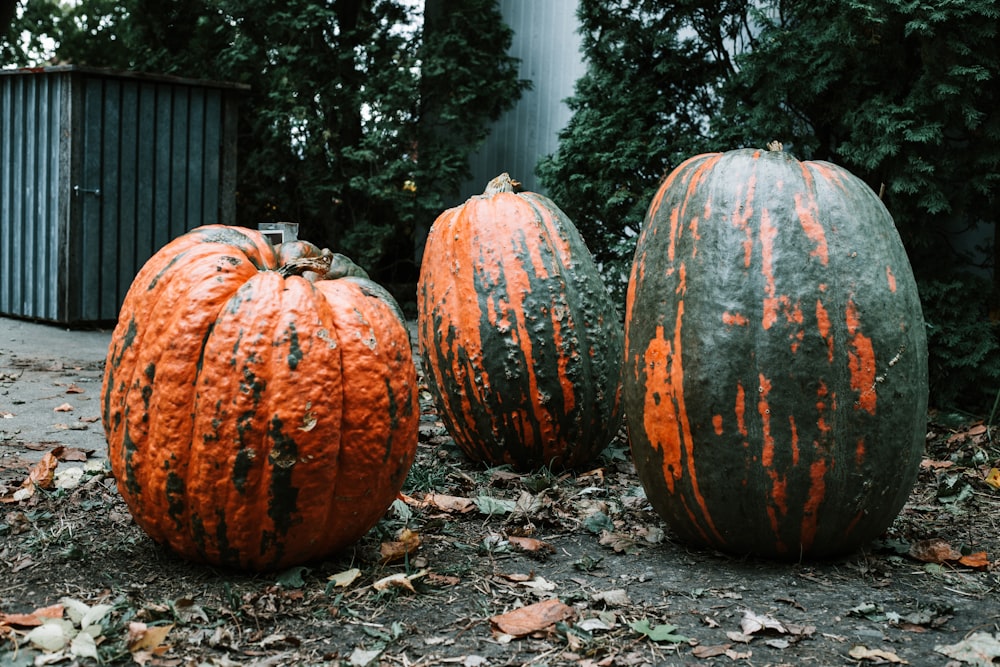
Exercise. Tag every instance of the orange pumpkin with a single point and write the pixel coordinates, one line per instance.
(521, 342)
(254, 418)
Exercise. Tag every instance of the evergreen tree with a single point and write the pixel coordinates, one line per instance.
(903, 94)
(653, 73)
(359, 120)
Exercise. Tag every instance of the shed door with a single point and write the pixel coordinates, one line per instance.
(149, 169)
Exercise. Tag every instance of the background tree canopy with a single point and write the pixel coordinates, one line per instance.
(361, 113)
(903, 94)
(361, 118)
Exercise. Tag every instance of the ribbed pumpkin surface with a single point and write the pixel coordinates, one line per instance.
(776, 365)
(520, 341)
(254, 419)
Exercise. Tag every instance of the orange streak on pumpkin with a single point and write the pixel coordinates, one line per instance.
(824, 428)
(823, 322)
(794, 439)
(675, 217)
(808, 214)
(558, 312)
(768, 232)
(734, 319)
(861, 361)
(810, 511)
(767, 451)
(717, 424)
(741, 220)
(859, 451)
(891, 278)
(453, 281)
(741, 424)
(778, 505)
(509, 208)
(665, 418)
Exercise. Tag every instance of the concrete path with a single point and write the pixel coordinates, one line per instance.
(50, 385)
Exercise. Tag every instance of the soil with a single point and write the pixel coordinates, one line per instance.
(615, 587)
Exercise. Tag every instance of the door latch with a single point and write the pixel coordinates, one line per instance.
(77, 190)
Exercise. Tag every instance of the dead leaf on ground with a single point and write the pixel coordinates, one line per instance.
(435, 579)
(75, 454)
(934, 550)
(443, 503)
(936, 465)
(977, 561)
(65, 407)
(980, 648)
(710, 651)
(406, 544)
(41, 476)
(939, 551)
(147, 639)
(33, 619)
(617, 597)
(74, 389)
(532, 618)
(876, 655)
(993, 478)
(531, 544)
(618, 542)
(345, 578)
(399, 580)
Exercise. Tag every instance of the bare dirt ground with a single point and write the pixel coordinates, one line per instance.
(476, 567)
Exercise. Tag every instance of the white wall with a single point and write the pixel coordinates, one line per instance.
(546, 41)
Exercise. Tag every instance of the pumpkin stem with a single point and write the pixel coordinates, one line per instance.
(300, 265)
(502, 183)
(775, 146)
(329, 265)
(341, 266)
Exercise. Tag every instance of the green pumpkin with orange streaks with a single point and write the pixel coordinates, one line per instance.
(775, 381)
(520, 341)
(256, 419)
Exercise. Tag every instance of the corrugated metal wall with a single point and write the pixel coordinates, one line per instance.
(31, 143)
(98, 170)
(546, 41)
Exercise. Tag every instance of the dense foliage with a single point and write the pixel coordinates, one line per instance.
(360, 116)
(903, 94)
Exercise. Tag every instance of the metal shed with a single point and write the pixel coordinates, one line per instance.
(98, 170)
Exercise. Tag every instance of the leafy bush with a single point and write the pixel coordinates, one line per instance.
(963, 341)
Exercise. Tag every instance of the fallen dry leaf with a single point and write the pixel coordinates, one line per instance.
(710, 651)
(532, 618)
(345, 578)
(435, 579)
(33, 619)
(993, 478)
(407, 542)
(530, 544)
(74, 389)
(934, 550)
(65, 407)
(753, 623)
(875, 655)
(142, 637)
(617, 597)
(935, 465)
(399, 580)
(977, 561)
(42, 473)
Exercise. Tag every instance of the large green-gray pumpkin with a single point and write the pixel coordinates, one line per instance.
(775, 380)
